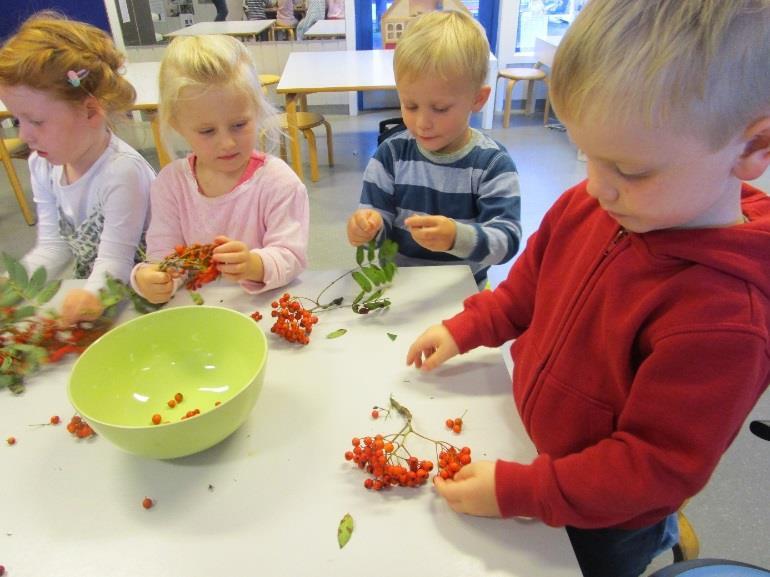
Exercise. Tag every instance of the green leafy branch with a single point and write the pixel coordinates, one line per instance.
(374, 273)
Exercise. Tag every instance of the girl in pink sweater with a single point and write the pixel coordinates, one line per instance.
(225, 191)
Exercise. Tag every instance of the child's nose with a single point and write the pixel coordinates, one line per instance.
(25, 132)
(600, 185)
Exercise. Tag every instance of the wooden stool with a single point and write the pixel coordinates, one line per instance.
(306, 121)
(11, 148)
(269, 79)
(289, 30)
(513, 75)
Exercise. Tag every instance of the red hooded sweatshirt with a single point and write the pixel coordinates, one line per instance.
(637, 358)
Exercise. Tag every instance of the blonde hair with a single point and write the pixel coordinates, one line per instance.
(201, 62)
(699, 66)
(47, 46)
(449, 44)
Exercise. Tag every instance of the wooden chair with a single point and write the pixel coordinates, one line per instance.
(306, 121)
(11, 148)
(288, 30)
(528, 75)
(688, 546)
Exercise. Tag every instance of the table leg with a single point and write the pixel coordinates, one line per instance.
(291, 121)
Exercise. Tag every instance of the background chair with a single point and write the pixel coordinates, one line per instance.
(306, 121)
(11, 148)
(530, 76)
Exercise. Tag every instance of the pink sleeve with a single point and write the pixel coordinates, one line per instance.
(287, 224)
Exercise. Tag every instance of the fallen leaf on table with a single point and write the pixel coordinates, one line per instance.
(345, 530)
(392, 337)
(337, 333)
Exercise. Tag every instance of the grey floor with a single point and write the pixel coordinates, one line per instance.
(731, 515)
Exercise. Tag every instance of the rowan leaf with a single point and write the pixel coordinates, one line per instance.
(48, 292)
(362, 281)
(345, 530)
(392, 337)
(336, 334)
(360, 255)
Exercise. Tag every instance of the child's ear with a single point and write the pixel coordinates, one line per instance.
(481, 97)
(755, 158)
(92, 108)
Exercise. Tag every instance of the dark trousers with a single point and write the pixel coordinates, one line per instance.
(617, 552)
(221, 6)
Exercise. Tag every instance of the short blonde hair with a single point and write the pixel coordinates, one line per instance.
(210, 61)
(47, 46)
(449, 44)
(699, 66)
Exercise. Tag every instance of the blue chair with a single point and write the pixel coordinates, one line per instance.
(711, 568)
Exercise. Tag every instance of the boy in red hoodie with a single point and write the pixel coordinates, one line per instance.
(641, 307)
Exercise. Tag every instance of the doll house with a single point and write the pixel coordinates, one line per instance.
(396, 18)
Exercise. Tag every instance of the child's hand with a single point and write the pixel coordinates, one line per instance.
(236, 262)
(363, 226)
(432, 348)
(155, 285)
(80, 305)
(434, 232)
(472, 490)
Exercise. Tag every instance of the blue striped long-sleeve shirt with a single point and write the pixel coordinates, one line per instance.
(477, 187)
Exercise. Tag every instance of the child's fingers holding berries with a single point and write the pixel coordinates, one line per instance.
(471, 490)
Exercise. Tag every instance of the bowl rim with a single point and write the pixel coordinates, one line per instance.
(259, 368)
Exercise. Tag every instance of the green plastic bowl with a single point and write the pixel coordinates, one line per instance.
(214, 357)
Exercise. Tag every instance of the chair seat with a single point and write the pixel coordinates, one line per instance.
(522, 73)
(269, 79)
(305, 120)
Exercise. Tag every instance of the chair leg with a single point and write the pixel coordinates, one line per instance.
(313, 153)
(529, 107)
(18, 191)
(329, 142)
(282, 148)
(688, 546)
(547, 113)
(507, 109)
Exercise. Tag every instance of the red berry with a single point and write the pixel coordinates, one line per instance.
(171, 403)
(178, 397)
(375, 414)
(156, 419)
(11, 440)
(147, 503)
(449, 423)
(55, 420)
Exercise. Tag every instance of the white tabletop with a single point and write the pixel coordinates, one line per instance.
(346, 70)
(229, 27)
(326, 29)
(279, 484)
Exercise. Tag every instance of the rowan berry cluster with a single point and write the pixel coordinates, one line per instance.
(451, 460)
(196, 260)
(77, 427)
(293, 322)
(455, 424)
(389, 462)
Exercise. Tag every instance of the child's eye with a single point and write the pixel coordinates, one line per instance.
(632, 175)
(206, 131)
(440, 110)
(240, 124)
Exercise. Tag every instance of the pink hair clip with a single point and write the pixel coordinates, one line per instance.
(74, 78)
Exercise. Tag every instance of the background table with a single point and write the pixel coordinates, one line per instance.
(344, 71)
(267, 500)
(326, 29)
(240, 28)
(545, 49)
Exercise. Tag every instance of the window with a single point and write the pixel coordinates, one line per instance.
(543, 18)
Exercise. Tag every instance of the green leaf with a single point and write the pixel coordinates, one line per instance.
(196, 297)
(374, 274)
(359, 297)
(22, 313)
(16, 272)
(17, 387)
(374, 296)
(345, 530)
(36, 282)
(9, 298)
(392, 337)
(389, 270)
(362, 281)
(360, 255)
(48, 292)
(6, 363)
(388, 250)
(336, 334)
(371, 248)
